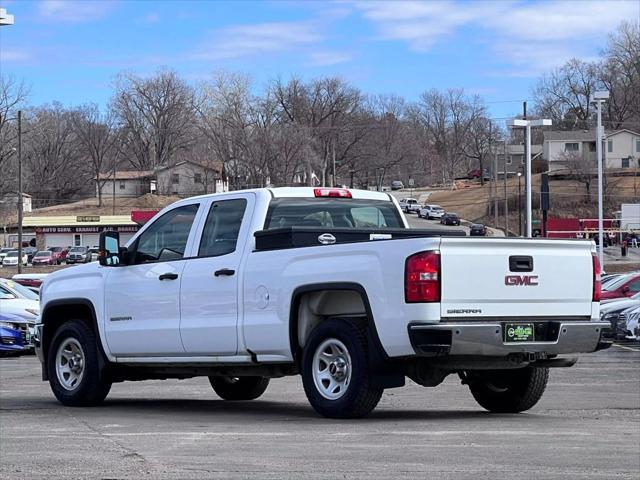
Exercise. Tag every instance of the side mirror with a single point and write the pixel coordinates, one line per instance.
(109, 249)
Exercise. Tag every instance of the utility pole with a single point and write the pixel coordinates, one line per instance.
(519, 206)
(599, 98)
(20, 200)
(506, 199)
(495, 187)
(527, 149)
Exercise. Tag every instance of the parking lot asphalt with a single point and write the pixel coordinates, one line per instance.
(586, 426)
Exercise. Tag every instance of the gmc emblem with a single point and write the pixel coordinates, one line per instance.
(521, 280)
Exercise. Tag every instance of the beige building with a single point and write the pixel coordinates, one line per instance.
(621, 148)
(184, 179)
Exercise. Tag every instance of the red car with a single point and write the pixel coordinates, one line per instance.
(44, 257)
(624, 286)
(59, 254)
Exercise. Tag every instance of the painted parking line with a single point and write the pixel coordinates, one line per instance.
(633, 349)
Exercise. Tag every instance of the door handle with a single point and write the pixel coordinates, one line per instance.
(168, 276)
(224, 271)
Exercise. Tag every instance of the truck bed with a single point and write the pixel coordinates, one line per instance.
(298, 236)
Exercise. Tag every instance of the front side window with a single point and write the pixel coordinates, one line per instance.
(166, 239)
(571, 147)
(220, 235)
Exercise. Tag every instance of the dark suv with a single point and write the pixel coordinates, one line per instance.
(79, 255)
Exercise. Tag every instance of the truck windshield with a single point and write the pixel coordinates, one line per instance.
(332, 213)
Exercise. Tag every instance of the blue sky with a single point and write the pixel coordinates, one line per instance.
(70, 51)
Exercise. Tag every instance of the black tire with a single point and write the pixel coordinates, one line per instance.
(360, 396)
(239, 388)
(94, 385)
(509, 391)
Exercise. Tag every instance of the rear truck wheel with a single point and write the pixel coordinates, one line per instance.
(508, 391)
(73, 366)
(239, 388)
(335, 370)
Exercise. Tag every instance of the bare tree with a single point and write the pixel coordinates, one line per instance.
(13, 94)
(53, 160)
(579, 167)
(563, 95)
(156, 117)
(620, 74)
(96, 136)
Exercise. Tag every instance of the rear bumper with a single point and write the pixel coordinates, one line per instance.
(486, 339)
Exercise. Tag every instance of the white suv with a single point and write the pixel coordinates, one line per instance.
(431, 212)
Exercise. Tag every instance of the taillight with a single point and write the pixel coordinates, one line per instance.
(422, 278)
(597, 279)
(332, 192)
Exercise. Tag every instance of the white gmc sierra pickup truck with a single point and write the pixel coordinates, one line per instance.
(330, 284)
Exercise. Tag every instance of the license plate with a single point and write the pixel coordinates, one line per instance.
(518, 332)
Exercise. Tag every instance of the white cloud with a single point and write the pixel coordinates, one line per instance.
(153, 17)
(243, 40)
(326, 58)
(69, 11)
(14, 55)
(536, 35)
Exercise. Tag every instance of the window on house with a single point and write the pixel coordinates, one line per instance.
(571, 147)
(610, 146)
(638, 145)
(625, 162)
(509, 159)
(77, 240)
(197, 178)
(122, 186)
(592, 146)
(175, 178)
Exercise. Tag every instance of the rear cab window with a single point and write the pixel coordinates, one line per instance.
(332, 213)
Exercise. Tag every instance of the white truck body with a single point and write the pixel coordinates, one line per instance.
(258, 307)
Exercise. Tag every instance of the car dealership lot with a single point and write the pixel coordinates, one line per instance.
(587, 425)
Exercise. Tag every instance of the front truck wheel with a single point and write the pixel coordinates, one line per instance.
(74, 368)
(239, 388)
(335, 370)
(508, 391)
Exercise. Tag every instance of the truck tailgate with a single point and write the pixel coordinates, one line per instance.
(510, 278)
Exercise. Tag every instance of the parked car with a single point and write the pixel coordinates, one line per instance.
(79, 255)
(10, 286)
(624, 286)
(29, 280)
(59, 254)
(477, 230)
(612, 312)
(28, 309)
(610, 277)
(11, 259)
(632, 320)
(30, 251)
(409, 205)
(256, 297)
(431, 212)
(397, 185)
(94, 253)
(44, 257)
(476, 174)
(14, 334)
(4, 251)
(450, 219)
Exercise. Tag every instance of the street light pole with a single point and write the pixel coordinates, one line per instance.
(527, 124)
(20, 200)
(519, 206)
(598, 98)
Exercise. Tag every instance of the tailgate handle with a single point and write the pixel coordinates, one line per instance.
(520, 263)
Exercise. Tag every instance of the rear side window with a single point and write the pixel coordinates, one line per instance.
(166, 239)
(220, 235)
(332, 213)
